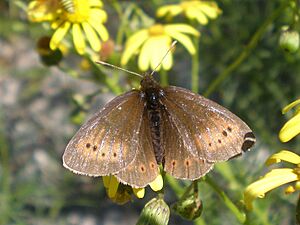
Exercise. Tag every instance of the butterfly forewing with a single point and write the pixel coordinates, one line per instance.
(179, 162)
(108, 142)
(208, 130)
(143, 169)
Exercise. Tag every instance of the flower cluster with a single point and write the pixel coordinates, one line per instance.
(279, 176)
(121, 193)
(145, 42)
(84, 18)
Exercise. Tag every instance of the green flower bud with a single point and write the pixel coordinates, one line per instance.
(48, 56)
(155, 212)
(289, 40)
(189, 208)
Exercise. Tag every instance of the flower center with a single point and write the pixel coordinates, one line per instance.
(156, 30)
(81, 11)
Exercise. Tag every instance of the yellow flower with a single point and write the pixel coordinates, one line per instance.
(194, 10)
(121, 193)
(158, 36)
(275, 177)
(85, 20)
(43, 10)
(292, 127)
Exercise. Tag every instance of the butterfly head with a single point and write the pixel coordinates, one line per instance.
(148, 82)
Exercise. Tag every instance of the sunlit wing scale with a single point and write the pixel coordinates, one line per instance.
(107, 142)
(208, 130)
(143, 169)
(178, 161)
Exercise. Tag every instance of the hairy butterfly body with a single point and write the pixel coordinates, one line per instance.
(141, 129)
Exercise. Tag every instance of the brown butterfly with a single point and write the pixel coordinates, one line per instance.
(170, 126)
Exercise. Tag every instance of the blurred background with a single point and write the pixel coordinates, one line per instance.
(42, 106)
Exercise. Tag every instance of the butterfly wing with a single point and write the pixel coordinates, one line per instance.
(208, 130)
(143, 169)
(107, 142)
(178, 160)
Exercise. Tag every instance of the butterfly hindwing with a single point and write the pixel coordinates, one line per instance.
(178, 161)
(143, 169)
(107, 142)
(208, 130)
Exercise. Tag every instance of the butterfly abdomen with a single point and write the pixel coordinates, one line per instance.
(154, 116)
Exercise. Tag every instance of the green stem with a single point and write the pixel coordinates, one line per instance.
(175, 186)
(195, 68)
(241, 217)
(163, 74)
(247, 50)
(5, 179)
(187, 191)
(124, 20)
(199, 221)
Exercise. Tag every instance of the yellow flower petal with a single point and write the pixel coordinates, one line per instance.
(172, 10)
(136, 37)
(271, 180)
(146, 54)
(55, 24)
(59, 35)
(133, 44)
(183, 28)
(95, 3)
(162, 43)
(98, 15)
(297, 185)
(168, 62)
(113, 187)
(157, 184)
(209, 10)
(139, 192)
(183, 39)
(106, 181)
(92, 37)
(277, 172)
(78, 38)
(101, 30)
(289, 190)
(39, 11)
(290, 129)
(283, 155)
(193, 13)
(290, 106)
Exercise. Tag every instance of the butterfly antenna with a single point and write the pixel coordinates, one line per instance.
(161, 61)
(119, 68)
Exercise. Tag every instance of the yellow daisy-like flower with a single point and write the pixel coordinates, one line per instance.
(43, 10)
(158, 36)
(121, 193)
(86, 22)
(292, 127)
(200, 11)
(278, 177)
(275, 178)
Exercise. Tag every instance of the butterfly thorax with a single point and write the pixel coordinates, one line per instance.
(152, 94)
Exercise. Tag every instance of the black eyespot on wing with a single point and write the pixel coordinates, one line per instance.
(249, 141)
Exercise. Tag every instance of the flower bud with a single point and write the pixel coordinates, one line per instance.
(48, 57)
(155, 212)
(289, 40)
(189, 208)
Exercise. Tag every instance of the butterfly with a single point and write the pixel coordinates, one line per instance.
(136, 132)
